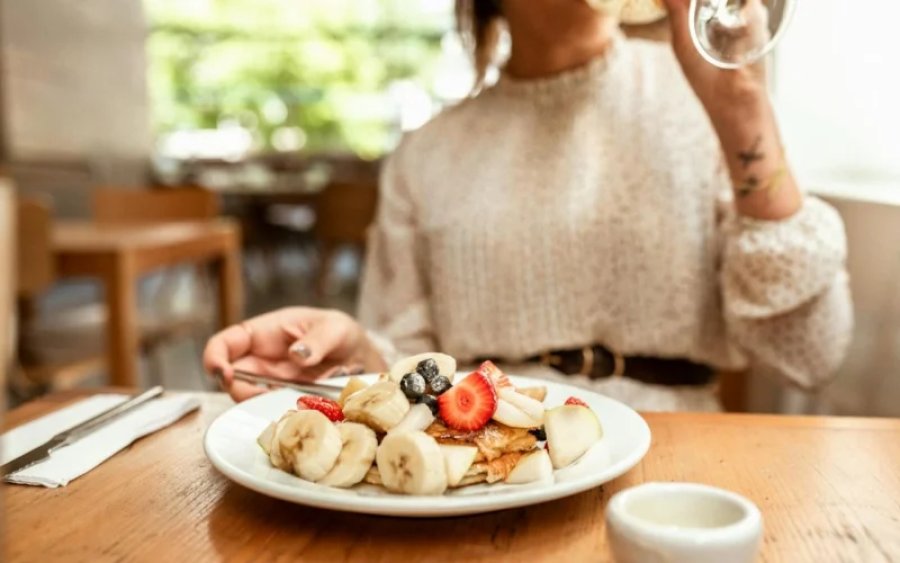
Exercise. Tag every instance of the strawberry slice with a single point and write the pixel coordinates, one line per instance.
(331, 409)
(469, 404)
(576, 401)
(497, 377)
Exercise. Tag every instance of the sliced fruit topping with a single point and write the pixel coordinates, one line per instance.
(534, 466)
(518, 410)
(428, 369)
(413, 386)
(274, 451)
(536, 393)
(328, 407)
(265, 439)
(310, 442)
(457, 461)
(357, 455)
(418, 418)
(439, 384)
(411, 463)
(380, 406)
(353, 385)
(445, 365)
(469, 404)
(431, 402)
(571, 431)
(576, 401)
(492, 372)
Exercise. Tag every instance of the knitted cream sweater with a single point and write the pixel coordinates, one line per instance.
(593, 207)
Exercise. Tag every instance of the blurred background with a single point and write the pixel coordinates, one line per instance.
(181, 164)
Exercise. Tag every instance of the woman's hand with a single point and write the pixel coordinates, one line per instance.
(739, 108)
(722, 92)
(298, 343)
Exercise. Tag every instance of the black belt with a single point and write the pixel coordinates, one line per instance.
(597, 362)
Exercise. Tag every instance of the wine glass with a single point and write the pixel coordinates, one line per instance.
(734, 33)
(728, 33)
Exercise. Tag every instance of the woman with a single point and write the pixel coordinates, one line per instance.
(579, 218)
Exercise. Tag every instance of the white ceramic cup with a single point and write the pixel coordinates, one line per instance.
(674, 522)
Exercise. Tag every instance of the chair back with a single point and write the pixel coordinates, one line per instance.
(34, 251)
(123, 205)
(7, 284)
(344, 212)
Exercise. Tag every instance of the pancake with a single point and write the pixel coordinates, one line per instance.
(492, 441)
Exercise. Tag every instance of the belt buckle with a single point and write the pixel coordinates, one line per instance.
(587, 361)
(618, 364)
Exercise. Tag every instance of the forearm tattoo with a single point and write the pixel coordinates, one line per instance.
(752, 182)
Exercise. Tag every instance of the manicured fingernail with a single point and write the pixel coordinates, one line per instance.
(300, 349)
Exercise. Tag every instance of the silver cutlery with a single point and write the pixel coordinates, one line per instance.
(310, 387)
(77, 432)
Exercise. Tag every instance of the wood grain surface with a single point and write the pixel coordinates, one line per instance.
(828, 488)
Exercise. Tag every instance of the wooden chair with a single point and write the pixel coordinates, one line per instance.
(133, 206)
(130, 206)
(42, 363)
(733, 390)
(344, 212)
(7, 284)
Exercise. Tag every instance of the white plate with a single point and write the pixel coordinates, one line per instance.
(230, 444)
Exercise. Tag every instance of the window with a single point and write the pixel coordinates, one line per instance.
(228, 77)
(837, 91)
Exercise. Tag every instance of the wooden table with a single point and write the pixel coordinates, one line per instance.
(120, 254)
(828, 488)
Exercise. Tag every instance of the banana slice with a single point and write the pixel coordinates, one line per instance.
(446, 365)
(373, 477)
(411, 463)
(357, 455)
(353, 385)
(310, 443)
(275, 457)
(380, 406)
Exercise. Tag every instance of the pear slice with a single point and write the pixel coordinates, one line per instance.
(417, 419)
(265, 439)
(571, 431)
(533, 466)
(537, 393)
(458, 460)
(532, 407)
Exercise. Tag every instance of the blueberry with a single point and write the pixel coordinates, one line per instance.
(427, 369)
(412, 385)
(539, 433)
(440, 384)
(431, 401)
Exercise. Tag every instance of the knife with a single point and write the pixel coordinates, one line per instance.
(77, 432)
(310, 387)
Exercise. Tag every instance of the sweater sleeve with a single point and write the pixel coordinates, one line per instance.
(393, 303)
(786, 293)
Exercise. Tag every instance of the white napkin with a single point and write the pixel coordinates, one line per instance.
(74, 460)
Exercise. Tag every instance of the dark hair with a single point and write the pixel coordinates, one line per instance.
(478, 23)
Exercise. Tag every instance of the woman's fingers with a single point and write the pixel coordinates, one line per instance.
(322, 338)
(223, 348)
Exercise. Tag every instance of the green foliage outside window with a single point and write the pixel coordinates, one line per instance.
(322, 66)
